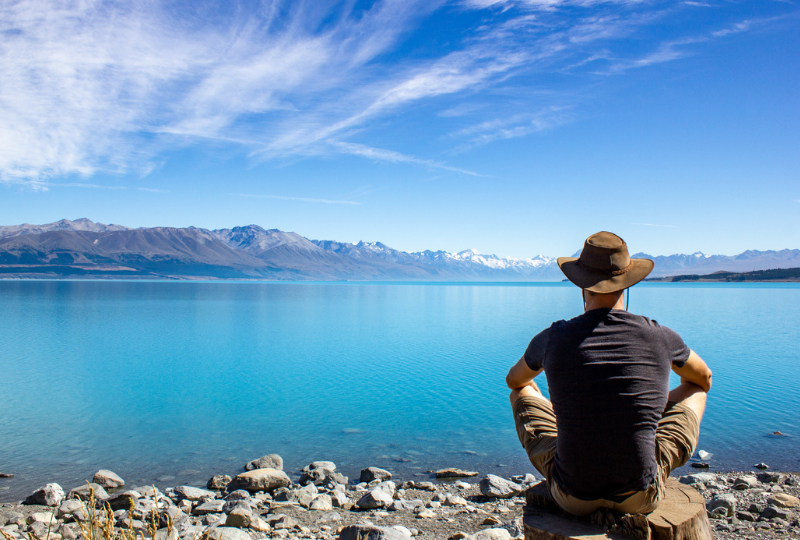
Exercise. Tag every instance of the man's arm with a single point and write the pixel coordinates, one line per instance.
(694, 371)
(520, 375)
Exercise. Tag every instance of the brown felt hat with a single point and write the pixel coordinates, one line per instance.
(604, 265)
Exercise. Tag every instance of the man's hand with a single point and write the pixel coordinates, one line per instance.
(520, 375)
(694, 371)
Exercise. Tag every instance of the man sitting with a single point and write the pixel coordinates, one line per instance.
(613, 429)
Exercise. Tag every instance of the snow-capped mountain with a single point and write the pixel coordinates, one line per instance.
(82, 247)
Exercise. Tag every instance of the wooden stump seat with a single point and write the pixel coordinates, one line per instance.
(680, 516)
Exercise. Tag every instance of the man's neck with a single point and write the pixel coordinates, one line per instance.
(604, 301)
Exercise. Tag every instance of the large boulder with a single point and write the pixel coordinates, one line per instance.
(370, 532)
(260, 480)
(375, 498)
(374, 473)
(108, 479)
(47, 495)
(494, 486)
(270, 461)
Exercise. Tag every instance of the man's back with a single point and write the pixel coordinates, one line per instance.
(607, 440)
(608, 375)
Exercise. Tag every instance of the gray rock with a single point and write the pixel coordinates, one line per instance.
(194, 493)
(370, 532)
(699, 478)
(108, 479)
(238, 495)
(404, 505)
(9, 516)
(374, 473)
(745, 516)
(38, 529)
(218, 482)
(388, 486)
(339, 498)
(70, 531)
(47, 518)
(69, 506)
(124, 500)
(454, 500)
(227, 533)
(374, 498)
(494, 486)
(453, 472)
(330, 517)
(784, 500)
(230, 506)
(260, 480)
(425, 486)
(47, 495)
(722, 500)
(85, 492)
(491, 534)
(761, 465)
(270, 461)
(302, 496)
(718, 513)
(240, 517)
(282, 521)
(208, 507)
(770, 477)
(514, 527)
(323, 503)
(328, 466)
(771, 512)
(745, 482)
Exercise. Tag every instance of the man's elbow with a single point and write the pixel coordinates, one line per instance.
(707, 385)
(510, 382)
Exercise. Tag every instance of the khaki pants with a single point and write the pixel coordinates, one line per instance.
(676, 440)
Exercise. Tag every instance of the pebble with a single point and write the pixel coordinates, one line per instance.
(454, 473)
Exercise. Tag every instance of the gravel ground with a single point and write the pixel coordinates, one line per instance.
(740, 505)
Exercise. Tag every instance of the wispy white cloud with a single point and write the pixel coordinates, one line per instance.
(655, 225)
(300, 199)
(152, 190)
(104, 85)
(516, 125)
(395, 157)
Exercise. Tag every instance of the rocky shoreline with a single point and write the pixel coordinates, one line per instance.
(264, 502)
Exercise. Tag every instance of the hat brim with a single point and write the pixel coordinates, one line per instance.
(600, 283)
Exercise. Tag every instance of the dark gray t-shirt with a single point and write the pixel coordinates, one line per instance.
(608, 375)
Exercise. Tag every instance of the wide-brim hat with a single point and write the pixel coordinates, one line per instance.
(604, 265)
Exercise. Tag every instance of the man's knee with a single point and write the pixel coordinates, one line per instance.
(530, 390)
(692, 396)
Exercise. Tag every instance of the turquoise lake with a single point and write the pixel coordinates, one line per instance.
(172, 382)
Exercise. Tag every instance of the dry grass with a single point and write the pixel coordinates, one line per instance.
(99, 523)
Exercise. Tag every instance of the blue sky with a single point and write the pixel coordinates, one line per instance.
(515, 127)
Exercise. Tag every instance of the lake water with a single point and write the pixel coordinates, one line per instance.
(172, 382)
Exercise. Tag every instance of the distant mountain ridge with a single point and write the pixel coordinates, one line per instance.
(85, 248)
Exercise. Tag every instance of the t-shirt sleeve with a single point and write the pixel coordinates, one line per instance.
(677, 349)
(537, 348)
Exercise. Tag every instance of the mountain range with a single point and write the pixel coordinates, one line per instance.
(83, 248)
